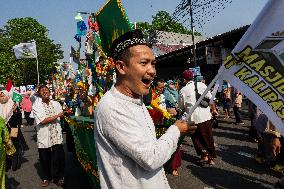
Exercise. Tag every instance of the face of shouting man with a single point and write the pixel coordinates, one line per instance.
(136, 71)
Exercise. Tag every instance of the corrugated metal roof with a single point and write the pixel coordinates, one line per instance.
(171, 38)
(166, 42)
(206, 41)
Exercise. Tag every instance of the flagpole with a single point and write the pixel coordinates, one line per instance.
(70, 60)
(37, 69)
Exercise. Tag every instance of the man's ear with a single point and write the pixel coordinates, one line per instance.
(120, 67)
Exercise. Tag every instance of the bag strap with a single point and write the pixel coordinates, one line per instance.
(196, 90)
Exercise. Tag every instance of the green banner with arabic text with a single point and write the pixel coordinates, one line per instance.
(113, 22)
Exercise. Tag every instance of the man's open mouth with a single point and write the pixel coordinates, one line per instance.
(147, 81)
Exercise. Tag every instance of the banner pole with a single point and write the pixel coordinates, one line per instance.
(205, 92)
(37, 71)
(70, 59)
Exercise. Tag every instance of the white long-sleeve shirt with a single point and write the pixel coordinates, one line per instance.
(128, 153)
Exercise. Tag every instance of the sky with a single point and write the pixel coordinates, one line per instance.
(58, 15)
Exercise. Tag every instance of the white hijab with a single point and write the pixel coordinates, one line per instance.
(6, 110)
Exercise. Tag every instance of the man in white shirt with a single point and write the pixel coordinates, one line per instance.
(202, 138)
(128, 153)
(49, 137)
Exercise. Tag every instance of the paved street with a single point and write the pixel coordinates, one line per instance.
(27, 177)
(235, 166)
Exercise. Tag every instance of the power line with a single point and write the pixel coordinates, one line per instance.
(202, 10)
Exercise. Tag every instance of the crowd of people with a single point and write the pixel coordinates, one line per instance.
(130, 153)
(46, 114)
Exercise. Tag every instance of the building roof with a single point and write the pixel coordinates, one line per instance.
(225, 36)
(171, 38)
(160, 49)
(166, 42)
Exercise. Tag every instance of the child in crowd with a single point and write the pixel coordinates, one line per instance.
(26, 106)
(227, 102)
(237, 106)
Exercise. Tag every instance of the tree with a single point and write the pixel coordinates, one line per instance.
(163, 21)
(24, 71)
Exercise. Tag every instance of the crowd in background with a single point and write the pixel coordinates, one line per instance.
(167, 101)
(228, 104)
(35, 108)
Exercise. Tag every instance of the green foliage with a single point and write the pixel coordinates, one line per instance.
(145, 27)
(20, 30)
(163, 21)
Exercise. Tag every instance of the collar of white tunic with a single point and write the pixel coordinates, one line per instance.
(119, 95)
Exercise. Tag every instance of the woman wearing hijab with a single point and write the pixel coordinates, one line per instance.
(6, 106)
(6, 145)
(171, 99)
(13, 119)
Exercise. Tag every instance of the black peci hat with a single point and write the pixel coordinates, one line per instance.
(127, 40)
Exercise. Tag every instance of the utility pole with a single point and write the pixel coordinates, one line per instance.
(192, 34)
(203, 10)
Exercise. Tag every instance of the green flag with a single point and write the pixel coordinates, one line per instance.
(17, 97)
(113, 22)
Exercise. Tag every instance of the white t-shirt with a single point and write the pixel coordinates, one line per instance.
(187, 100)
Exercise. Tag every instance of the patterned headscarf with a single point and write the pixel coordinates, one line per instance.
(6, 110)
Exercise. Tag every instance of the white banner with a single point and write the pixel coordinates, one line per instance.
(256, 65)
(25, 50)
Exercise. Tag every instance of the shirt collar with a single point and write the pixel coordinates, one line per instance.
(119, 95)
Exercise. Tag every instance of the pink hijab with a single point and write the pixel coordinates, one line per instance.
(6, 110)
